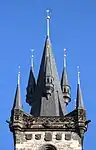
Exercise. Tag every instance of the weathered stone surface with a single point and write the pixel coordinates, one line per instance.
(58, 136)
(68, 136)
(37, 136)
(28, 136)
(76, 137)
(33, 144)
(48, 137)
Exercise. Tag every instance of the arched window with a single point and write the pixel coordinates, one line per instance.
(48, 147)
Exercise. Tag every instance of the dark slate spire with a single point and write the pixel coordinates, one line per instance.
(79, 99)
(31, 83)
(48, 97)
(17, 101)
(65, 83)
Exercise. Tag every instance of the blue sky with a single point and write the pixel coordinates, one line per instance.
(22, 27)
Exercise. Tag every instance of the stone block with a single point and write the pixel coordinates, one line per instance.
(58, 136)
(37, 136)
(28, 136)
(48, 137)
(67, 136)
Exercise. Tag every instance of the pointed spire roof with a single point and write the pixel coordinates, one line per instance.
(54, 106)
(31, 82)
(17, 101)
(79, 99)
(64, 78)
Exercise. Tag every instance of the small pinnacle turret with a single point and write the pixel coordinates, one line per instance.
(79, 99)
(17, 101)
(82, 123)
(31, 82)
(65, 83)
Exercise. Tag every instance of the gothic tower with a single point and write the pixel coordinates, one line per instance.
(48, 126)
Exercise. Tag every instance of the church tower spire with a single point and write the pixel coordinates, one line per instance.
(49, 100)
(66, 90)
(48, 126)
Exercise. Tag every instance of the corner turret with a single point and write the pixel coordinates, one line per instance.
(17, 110)
(82, 123)
(66, 90)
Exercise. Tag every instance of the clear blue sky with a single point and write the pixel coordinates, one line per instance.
(22, 27)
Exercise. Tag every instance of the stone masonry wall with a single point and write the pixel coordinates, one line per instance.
(37, 140)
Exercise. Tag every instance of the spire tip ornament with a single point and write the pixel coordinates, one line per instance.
(64, 57)
(18, 75)
(32, 59)
(48, 21)
(78, 74)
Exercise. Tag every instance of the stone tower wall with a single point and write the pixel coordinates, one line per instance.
(38, 140)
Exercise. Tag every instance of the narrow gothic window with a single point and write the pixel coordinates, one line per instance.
(64, 90)
(48, 80)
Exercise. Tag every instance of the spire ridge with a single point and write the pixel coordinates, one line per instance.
(65, 57)
(48, 22)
